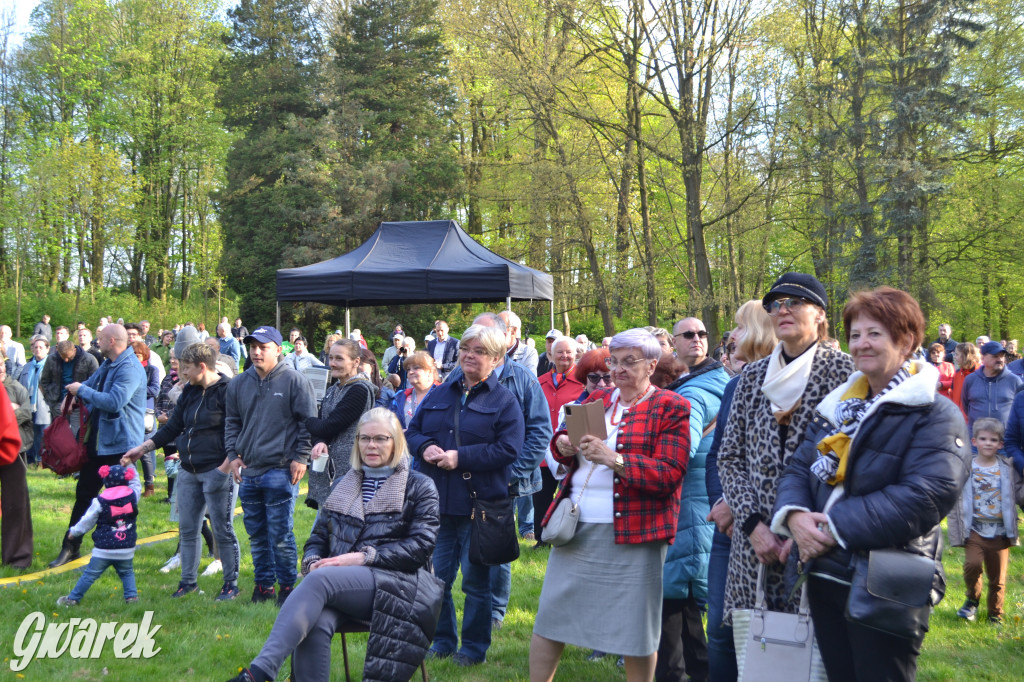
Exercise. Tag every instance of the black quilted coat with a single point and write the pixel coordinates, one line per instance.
(396, 530)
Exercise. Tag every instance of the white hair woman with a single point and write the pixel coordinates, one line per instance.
(627, 487)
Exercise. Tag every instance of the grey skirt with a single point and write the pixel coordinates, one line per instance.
(601, 595)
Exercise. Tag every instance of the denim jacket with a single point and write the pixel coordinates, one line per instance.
(117, 393)
(526, 389)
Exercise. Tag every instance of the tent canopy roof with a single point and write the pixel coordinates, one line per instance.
(414, 262)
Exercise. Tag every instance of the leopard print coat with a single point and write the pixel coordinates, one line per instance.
(752, 458)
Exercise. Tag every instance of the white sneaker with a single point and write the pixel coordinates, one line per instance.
(214, 568)
(172, 564)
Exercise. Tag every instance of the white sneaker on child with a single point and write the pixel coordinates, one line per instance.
(173, 563)
(214, 568)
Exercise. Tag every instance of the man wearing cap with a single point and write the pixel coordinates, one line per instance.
(268, 447)
(518, 350)
(544, 362)
(444, 349)
(989, 393)
(392, 350)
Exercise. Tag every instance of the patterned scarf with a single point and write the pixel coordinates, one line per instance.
(834, 449)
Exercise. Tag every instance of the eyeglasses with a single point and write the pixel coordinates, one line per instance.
(730, 349)
(599, 378)
(376, 440)
(793, 305)
(689, 335)
(628, 363)
(476, 352)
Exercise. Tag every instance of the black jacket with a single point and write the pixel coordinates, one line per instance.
(197, 426)
(51, 381)
(396, 530)
(907, 465)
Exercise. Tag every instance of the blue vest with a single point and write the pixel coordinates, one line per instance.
(115, 528)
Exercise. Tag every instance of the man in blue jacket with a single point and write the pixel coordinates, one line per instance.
(683, 651)
(116, 399)
(444, 349)
(990, 392)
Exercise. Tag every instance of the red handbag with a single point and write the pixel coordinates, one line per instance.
(63, 452)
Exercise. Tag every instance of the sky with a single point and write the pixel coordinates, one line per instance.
(22, 9)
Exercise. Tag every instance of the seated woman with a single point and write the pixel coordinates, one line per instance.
(882, 464)
(368, 553)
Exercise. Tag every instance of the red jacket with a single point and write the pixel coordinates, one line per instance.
(10, 439)
(568, 390)
(654, 441)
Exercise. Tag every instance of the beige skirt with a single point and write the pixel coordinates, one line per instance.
(603, 596)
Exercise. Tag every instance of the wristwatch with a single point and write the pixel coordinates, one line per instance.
(620, 463)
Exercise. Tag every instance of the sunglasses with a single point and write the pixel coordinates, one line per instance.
(793, 304)
(598, 378)
(689, 335)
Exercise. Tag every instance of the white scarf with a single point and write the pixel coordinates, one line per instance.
(784, 384)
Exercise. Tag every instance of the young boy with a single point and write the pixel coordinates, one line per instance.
(985, 521)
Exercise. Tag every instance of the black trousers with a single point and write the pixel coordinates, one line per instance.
(542, 498)
(683, 650)
(851, 651)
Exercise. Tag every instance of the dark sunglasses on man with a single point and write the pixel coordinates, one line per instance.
(689, 335)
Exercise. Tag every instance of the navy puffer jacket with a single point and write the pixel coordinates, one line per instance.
(908, 463)
(396, 530)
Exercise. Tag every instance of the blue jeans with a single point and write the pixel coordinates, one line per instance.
(268, 506)
(213, 492)
(721, 650)
(94, 570)
(32, 454)
(501, 590)
(524, 510)
(451, 552)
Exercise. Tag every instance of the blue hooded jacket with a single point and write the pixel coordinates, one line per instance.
(686, 564)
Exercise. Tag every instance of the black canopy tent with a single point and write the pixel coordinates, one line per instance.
(414, 262)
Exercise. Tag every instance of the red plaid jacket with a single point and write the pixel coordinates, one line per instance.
(654, 441)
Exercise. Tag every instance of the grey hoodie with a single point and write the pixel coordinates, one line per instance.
(264, 421)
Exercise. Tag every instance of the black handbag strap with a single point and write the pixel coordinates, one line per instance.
(466, 476)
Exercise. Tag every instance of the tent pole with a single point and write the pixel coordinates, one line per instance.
(508, 303)
(278, 326)
(348, 323)
(552, 314)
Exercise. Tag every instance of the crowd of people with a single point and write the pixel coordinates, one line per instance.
(721, 472)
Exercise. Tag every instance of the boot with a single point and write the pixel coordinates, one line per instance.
(150, 490)
(68, 551)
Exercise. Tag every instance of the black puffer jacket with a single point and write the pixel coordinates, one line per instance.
(396, 530)
(907, 465)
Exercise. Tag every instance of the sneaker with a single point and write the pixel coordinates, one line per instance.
(995, 620)
(596, 655)
(282, 594)
(244, 676)
(969, 611)
(262, 594)
(172, 564)
(621, 663)
(228, 592)
(130, 600)
(497, 624)
(214, 568)
(67, 601)
(464, 661)
(186, 589)
(434, 654)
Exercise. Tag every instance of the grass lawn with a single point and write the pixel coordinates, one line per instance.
(204, 640)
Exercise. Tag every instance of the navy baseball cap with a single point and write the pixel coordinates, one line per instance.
(264, 335)
(992, 348)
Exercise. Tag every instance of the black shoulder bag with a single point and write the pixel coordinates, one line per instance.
(492, 540)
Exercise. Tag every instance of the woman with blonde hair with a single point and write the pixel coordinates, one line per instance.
(967, 358)
(421, 371)
(369, 552)
(753, 338)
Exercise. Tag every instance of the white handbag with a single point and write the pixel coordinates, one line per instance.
(561, 527)
(773, 646)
